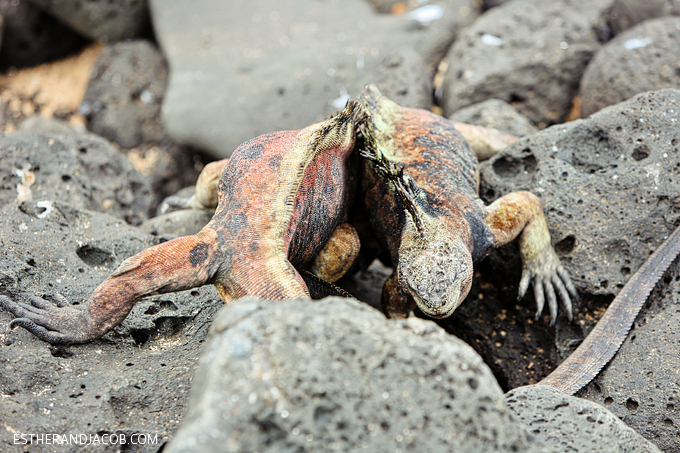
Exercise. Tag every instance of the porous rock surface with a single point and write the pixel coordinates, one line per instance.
(132, 381)
(496, 114)
(336, 375)
(100, 20)
(124, 95)
(84, 170)
(568, 423)
(242, 69)
(527, 52)
(643, 58)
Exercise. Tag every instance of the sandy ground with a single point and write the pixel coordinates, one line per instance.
(51, 90)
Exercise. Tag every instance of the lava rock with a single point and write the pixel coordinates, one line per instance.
(83, 169)
(101, 20)
(31, 37)
(124, 95)
(335, 374)
(624, 14)
(496, 114)
(572, 424)
(641, 385)
(526, 52)
(135, 380)
(247, 68)
(643, 58)
(621, 169)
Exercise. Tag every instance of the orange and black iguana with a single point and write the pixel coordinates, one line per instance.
(281, 197)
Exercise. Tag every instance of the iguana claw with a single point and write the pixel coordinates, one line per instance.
(56, 323)
(547, 274)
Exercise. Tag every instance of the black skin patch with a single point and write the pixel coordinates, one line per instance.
(482, 239)
(198, 254)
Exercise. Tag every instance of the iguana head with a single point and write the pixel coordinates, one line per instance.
(436, 270)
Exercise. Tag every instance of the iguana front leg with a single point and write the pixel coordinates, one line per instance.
(520, 213)
(176, 265)
(205, 196)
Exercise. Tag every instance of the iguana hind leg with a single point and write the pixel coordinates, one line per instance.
(338, 255)
(176, 265)
(520, 214)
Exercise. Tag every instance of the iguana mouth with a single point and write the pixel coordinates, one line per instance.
(436, 278)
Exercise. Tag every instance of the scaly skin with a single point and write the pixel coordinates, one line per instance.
(280, 195)
(611, 330)
(421, 182)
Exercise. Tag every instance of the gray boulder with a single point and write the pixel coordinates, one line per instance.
(624, 14)
(100, 20)
(31, 37)
(567, 423)
(643, 58)
(123, 97)
(495, 114)
(247, 68)
(84, 170)
(335, 375)
(527, 52)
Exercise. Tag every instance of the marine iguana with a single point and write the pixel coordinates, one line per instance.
(421, 183)
(281, 197)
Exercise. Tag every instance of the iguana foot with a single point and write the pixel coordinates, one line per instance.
(548, 276)
(56, 324)
(205, 196)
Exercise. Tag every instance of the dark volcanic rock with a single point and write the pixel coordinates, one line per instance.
(336, 375)
(609, 187)
(496, 114)
(567, 423)
(124, 95)
(641, 385)
(135, 379)
(527, 52)
(643, 58)
(251, 67)
(31, 37)
(101, 20)
(623, 14)
(81, 169)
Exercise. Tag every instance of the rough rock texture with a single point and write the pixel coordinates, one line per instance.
(124, 95)
(643, 58)
(101, 20)
(31, 37)
(81, 169)
(641, 385)
(496, 114)
(609, 187)
(134, 380)
(335, 375)
(245, 68)
(572, 424)
(623, 14)
(527, 52)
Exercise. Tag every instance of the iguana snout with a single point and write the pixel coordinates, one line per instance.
(438, 276)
